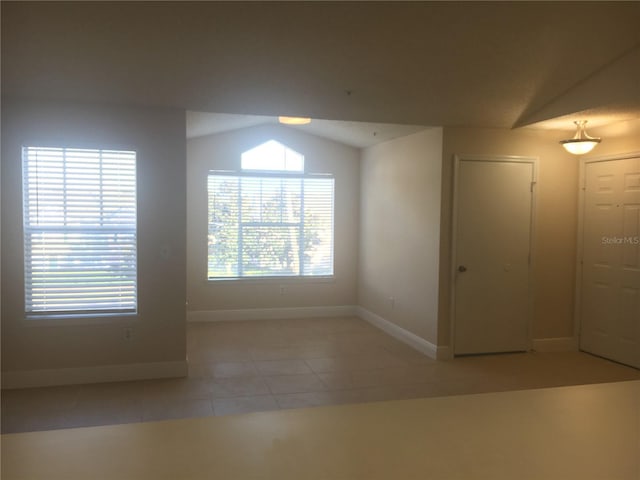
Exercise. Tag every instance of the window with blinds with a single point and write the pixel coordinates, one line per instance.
(80, 248)
(270, 224)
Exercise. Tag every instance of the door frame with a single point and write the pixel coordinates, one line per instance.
(457, 159)
(582, 171)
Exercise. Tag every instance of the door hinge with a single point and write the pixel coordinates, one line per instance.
(533, 185)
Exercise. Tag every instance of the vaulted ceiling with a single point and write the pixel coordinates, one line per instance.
(485, 64)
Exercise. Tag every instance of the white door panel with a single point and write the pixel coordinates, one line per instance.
(610, 284)
(493, 230)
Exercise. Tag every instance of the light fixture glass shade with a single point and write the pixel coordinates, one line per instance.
(294, 120)
(581, 142)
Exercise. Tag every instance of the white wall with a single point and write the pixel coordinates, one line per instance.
(158, 136)
(223, 152)
(554, 244)
(554, 248)
(617, 138)
(400, 231)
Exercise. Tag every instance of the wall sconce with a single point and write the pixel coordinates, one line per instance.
(581, 142)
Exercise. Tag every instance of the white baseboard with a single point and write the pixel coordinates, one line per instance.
(100, 374)
(405, 336)
(270, 313)
(563, 344)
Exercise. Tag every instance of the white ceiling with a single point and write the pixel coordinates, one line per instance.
(355, 134)
(477, 64)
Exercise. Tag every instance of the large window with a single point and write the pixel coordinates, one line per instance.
(79, 210)
(270, 220)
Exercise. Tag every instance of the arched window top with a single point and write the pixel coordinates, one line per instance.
(272, 156)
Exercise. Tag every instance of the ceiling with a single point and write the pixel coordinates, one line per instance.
(354, 134)
(476, 64)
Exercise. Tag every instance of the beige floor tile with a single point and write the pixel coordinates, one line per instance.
(233, 369)
(328, 364)
(274, 353)
(30, 420)
(339, 324)
(421, 372)
(376, 394)
(336, 380)
(232, 406)
(372, 362)
(378, 378)
(397, 392)
(351, 360)
(295, 383)
(317, 399)
(371, 337)
(239, 387)
(301, 334)
(386, 376)
(110, 411)
(56, 397)
(282, 367)
(183, 388)
(221, 353)
(171, 409)
(128, 388)
(315, 349)
(349, 348)
(408, 355)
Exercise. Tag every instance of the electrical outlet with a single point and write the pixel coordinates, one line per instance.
(392, 302)
(128, 334)
(283, 290)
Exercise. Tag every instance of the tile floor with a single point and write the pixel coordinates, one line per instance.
(240, 367)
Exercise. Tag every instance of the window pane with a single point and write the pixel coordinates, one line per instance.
(318, 226)
(80, 230)
(272, 156)
(270, 251)
(270, 226)
(223, 250)
(271, 200)
(81, 271)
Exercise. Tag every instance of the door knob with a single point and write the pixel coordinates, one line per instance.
(462, 269)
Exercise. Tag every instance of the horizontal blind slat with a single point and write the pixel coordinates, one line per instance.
(80, 230)
(259, 227)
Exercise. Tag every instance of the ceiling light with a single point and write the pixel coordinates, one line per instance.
(581, 142)
(294, 120)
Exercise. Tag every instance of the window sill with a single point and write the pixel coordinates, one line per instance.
(272, 280)
(67, 320)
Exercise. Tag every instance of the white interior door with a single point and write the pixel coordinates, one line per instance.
(492, 245)
(610, 287)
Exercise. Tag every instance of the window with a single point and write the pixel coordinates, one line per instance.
(272, 156)
(79, 209)
(270, 224)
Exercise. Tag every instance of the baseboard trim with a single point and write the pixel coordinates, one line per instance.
(270, 313)
(405, 336)
(562, 344)
(99, 374)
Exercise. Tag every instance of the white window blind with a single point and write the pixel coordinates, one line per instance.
(270, 225)
(79, 210)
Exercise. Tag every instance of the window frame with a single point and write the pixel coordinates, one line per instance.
(81, 316)
(278, 174)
